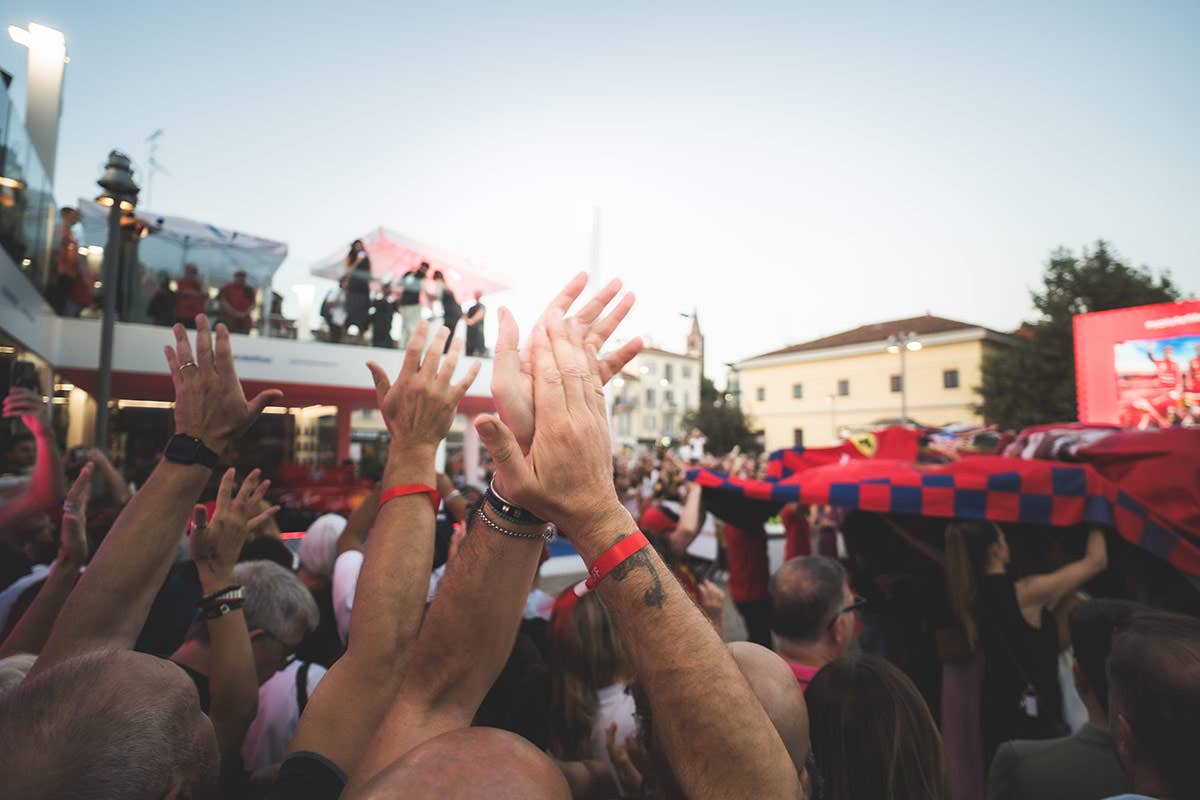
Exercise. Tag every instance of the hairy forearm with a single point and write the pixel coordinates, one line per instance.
(233, 682)
(696, 692)
(467, 638)
(110, 604)
(389, 600)
(31, 632)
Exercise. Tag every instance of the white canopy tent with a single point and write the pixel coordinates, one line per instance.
(174, 241)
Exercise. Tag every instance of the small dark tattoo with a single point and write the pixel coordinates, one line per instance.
(655, 595)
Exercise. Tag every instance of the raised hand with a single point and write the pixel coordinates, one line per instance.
(28, 406)
(72, 538)
(216, 544)
(627, 758)
(512, 367)
(209, 402)
(566, 475)
(419, 407)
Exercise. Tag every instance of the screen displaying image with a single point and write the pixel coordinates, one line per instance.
(1158, 381)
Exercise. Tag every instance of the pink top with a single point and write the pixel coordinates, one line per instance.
(804, 674)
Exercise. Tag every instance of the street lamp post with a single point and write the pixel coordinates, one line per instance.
(120, 194)
(901, 343)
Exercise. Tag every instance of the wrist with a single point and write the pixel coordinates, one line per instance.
(213, 579)
(409, 464)
(595, 533)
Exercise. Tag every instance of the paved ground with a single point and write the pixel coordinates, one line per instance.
(734, 630)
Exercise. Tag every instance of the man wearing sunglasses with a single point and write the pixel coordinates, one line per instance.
(813, 613)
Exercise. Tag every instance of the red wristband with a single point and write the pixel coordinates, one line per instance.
(405, 489)
(611, 558)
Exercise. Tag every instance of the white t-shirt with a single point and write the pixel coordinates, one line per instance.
(268, 736)
(615, 705)
(345, 580)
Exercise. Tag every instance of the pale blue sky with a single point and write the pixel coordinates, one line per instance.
(790, 171)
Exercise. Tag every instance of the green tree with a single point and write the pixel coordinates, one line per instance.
(1033, 381)
(724, 425)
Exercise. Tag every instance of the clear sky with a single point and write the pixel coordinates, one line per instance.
(790, 171)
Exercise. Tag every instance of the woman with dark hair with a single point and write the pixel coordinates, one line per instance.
(358, 289)
(1011, 621)
(872, 734)
(589, 674)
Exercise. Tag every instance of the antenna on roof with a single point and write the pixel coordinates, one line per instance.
(152, 164)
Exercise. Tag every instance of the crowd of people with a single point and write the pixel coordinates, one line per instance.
(389, 315)
(180, 648)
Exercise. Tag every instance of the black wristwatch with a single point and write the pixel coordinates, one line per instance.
(184, 449)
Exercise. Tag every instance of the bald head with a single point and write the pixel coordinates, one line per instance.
(471, 764)
(775, 686)
(108, 724)
(806, 595)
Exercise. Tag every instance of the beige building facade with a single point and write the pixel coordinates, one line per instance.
(813, 393)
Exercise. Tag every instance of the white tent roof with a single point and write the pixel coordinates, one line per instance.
(175, 241)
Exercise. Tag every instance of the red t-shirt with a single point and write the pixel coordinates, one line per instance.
(804, 674)
(1168, 373)
(1194, 375)
(188, 306)
(238, 296)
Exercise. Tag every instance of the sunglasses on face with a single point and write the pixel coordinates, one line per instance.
(859, 602)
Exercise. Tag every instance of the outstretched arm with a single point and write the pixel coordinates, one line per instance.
(350, 701)
(233, 683)
(486, 584)
(109, 606)
(1044, 591)
(717, 738)
(116, 483)
(46, 485)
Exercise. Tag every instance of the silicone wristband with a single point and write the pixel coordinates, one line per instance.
(611, 558)
(405, 489)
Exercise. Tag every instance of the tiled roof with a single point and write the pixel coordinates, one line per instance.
(877, 332)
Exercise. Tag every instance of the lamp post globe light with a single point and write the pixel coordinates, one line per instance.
(902, 343)
(120, 195)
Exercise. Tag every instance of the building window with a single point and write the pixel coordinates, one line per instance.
(844, 387)
(623, 425)
(896, 383)
(669, 371)
(668, 425)
(687, 370)
(651, 367)
(760, 394)
(949, 379)
(668, 397)
(650, 423)
(797, 391)
(797, 437)
(687, 399)
(649, 398)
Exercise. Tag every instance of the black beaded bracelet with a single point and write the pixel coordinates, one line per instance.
(509, 511)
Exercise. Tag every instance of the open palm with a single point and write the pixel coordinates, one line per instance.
(512, 370)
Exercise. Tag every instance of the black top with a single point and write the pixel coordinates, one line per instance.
(450, 307)
(14, 565)
(410, 289)
(306, 775)
(322, 644)
(382, 312)
(359, 284)
(201, 682)
(1017, 656)
(475, 332)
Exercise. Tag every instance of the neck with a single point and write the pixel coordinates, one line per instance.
(1096, 715)
(194, 655)
(807, 654)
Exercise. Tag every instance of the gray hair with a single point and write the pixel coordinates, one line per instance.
(106, 724)
(276, 602)
(805, 594)
(14, 669)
